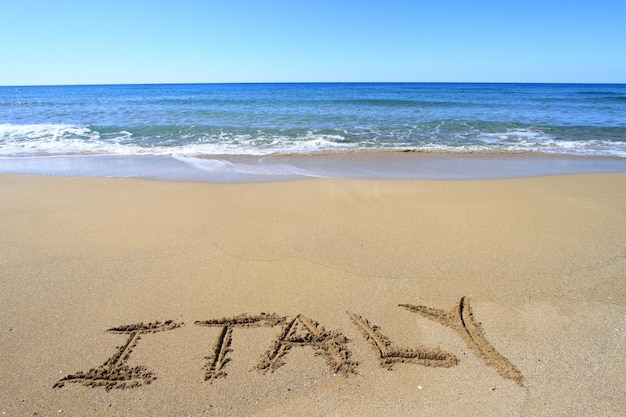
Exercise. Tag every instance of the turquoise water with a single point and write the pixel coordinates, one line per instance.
(234, 132)
(264, 119)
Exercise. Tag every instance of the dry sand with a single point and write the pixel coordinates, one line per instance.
(316, 297)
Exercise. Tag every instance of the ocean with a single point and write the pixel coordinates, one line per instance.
(139, 130)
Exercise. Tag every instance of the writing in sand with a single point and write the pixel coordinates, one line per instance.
(302, 331)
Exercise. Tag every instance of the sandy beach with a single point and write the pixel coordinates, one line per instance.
(127, 297)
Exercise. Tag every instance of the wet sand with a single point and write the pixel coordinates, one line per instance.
(313, 297)
(372, 164)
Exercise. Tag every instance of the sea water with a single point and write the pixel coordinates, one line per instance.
(250, 129)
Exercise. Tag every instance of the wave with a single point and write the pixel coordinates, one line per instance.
(441, 136)
(255, 167)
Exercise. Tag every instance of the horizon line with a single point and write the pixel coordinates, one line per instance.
(309, 82)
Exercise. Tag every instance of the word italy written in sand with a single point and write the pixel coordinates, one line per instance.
(302, 331)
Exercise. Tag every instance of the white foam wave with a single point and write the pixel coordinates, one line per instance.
(62, 139)
(514, 135)
(596, 148)
(46, 138)
(56, 139)
(256, 167)
(37, 131)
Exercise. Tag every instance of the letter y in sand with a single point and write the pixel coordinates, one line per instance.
(461, 320)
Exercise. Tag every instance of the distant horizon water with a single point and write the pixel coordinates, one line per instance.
(199, 122)
(191, 83)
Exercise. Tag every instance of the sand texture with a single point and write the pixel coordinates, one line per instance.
(125, 297)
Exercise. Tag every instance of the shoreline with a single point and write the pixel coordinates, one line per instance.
(327, 296)
(341, 165)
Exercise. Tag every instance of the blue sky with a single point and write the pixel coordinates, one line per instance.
(136, 41)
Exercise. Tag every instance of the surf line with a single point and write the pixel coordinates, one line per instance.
(302, 331)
